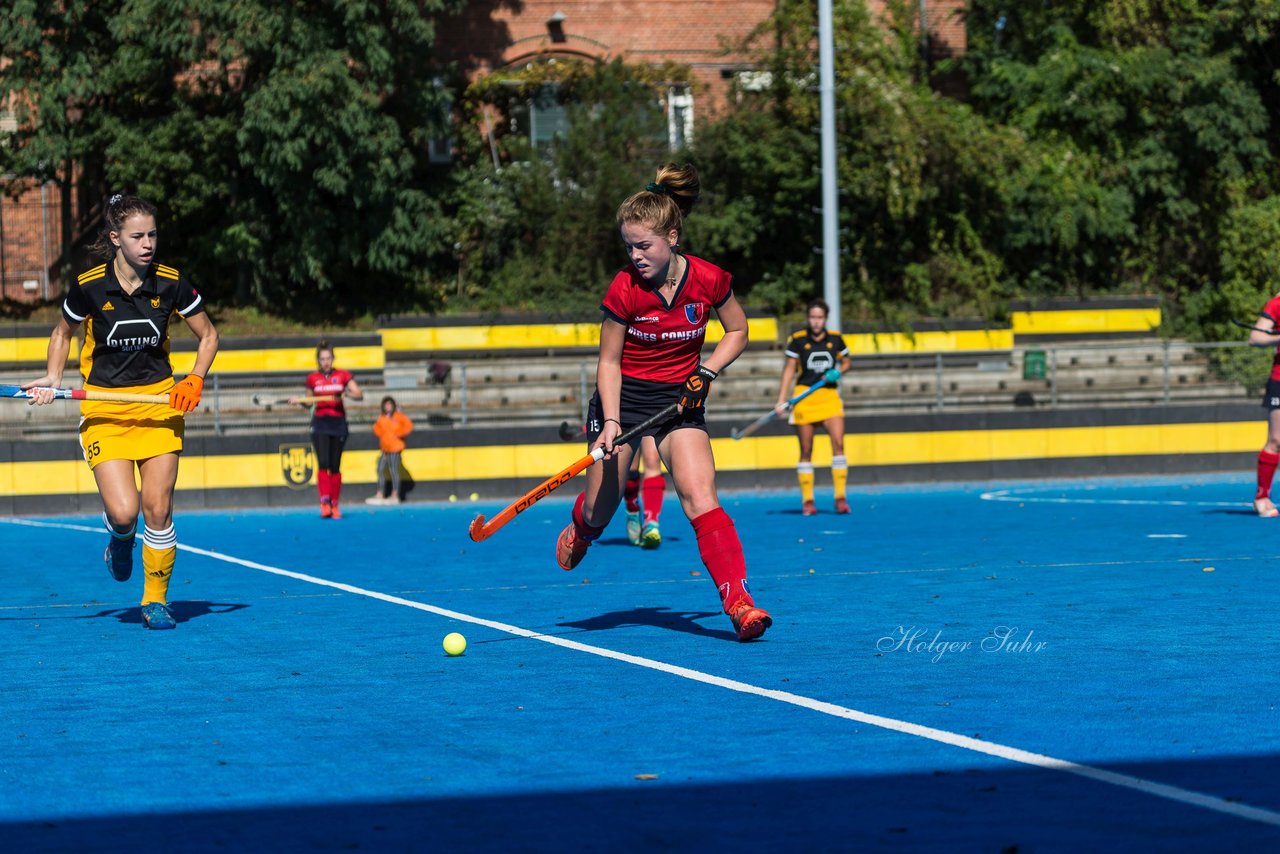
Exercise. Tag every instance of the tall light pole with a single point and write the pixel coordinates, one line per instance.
(830, 209)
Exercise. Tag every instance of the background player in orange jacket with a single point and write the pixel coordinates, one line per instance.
(390, 428)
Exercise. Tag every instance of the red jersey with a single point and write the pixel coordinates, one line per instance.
(664, 342)
(1272, 310)
(332, 384)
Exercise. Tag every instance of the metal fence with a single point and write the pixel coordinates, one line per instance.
(30, 244)
(532, 391)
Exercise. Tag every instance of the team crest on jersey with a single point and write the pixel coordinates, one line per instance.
(155, 302)
(298, 463)
(693, 313)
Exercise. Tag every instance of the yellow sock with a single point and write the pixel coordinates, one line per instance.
(804, 473)
(159, 550)
(840, 474)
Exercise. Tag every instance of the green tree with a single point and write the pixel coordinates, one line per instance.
(52, 53)
(943, 211)
(539, 230)
(285, 142)
(1175, 103)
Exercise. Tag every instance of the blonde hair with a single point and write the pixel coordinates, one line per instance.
(664, 203)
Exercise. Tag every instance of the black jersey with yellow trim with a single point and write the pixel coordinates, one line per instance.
(126, 340)
(816, 357)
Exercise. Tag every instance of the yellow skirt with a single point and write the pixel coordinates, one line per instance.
(818, 407)
(129, 431)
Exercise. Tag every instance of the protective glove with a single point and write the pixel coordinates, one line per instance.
(832, 376)
(696, 388)
(185, 396)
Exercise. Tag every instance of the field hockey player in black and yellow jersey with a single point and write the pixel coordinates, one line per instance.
(125, 305)
(813, 353)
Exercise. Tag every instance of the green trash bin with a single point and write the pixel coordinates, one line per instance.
(1033, 365)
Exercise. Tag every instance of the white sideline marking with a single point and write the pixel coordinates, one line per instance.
(989, 748)
(1020, 495)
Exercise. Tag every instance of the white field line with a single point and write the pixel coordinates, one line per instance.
(1022, 496)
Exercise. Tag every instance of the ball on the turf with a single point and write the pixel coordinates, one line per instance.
(453, 498)
(455, 644)
(475, 496)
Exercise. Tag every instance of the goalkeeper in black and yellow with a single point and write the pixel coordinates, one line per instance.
(125, 305)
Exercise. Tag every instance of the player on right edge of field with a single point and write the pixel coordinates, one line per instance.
(1269, 456)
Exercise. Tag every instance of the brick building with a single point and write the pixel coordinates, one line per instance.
(495, 34)
(499, 34)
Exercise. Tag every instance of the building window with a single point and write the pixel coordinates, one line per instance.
(542, 118)
(440, 148)
(679, 117)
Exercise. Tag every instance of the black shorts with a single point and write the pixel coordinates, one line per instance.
(1271, 397)
(640, 400)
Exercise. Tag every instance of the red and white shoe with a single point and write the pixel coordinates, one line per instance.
(749, 621)
(842, 505)
(570, 548)
(808, 509)
(1264, 508)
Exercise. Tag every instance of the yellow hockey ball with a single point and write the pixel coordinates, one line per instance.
(455, 644)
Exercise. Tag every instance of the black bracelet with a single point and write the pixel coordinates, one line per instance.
(614, 420)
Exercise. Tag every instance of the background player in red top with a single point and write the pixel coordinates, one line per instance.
(125, 306)
(655, 318)
(643, 493)
(812, 352)
(329, 426)
(1269, 456)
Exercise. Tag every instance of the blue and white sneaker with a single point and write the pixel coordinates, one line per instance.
(650, 537)
(155, 615)
(119, 557)
(633, 527)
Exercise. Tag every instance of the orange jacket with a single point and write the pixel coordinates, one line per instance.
(391, 430)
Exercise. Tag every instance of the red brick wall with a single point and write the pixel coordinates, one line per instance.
(491, 35)
(494, 33)
(31, 235)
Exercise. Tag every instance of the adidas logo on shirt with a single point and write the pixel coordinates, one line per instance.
(107, 306)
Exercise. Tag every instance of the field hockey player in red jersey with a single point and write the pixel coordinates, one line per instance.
(655, 319)
(1269, 456)
(643, 494)
(132, 291)
(329, 430)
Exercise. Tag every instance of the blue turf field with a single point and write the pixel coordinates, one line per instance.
(1076, 665)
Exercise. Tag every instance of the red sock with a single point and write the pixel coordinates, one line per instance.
(588, 532)
(721, 552)
(335, 485)
(654, 487)
(631, 492)
(1266, 473)
(322, 485)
